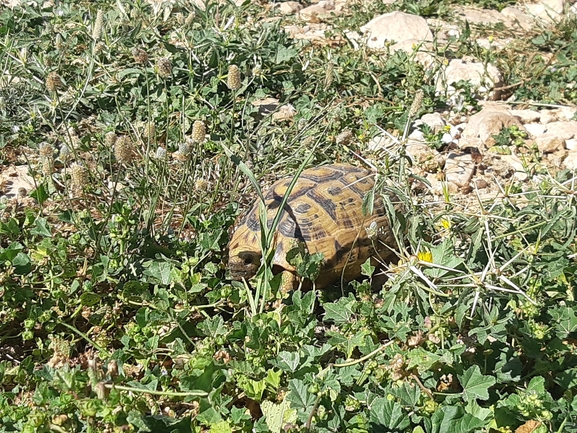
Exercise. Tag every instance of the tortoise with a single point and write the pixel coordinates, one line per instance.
(323, 213)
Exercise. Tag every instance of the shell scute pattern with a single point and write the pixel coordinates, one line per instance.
(324, 211)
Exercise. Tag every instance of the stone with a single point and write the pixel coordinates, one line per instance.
(526, 116)
(518, 17)
(547, 10)
(417, 135)
(478, 16)
(484, 77)
(516, 165)
(534, 129)
(491, 44)
(459, 169)
(571, 144)
(285, 112)
(549, 143)
(423, 156)
(322, 9)
(434, 121)
(487, 123)
(556, 159)
(570, 161)
(309, 32)
(565, 130)
(266, 105)
(288, 8)
(547, 117)
(567, 113)
(381, 142)
(499, 168)
(481, 183)
(395, 26)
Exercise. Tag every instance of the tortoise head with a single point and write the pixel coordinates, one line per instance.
(244, 255)
(243, 264)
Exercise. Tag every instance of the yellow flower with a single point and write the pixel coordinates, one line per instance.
(425, 256)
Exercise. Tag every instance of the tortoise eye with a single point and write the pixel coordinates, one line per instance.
(249, 258)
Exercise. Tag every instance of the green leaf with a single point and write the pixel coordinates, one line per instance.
(298, 395)
(478, 412)
(475, 385)
(341, 311)
(213, 327)
(159, 271)
(386, 413)
(273, 379)
(136, 419)
(355, 341)
(537, 385)
(207, 380)
(220, 427)
(453, 419)
(41, 228)
(408, 394)
(22, 264)
(40, 194)
(278, 415)
(252, 388)
(421, 359)
(89, 299)
(288, 361)
(564, 320)
(508, 367)
(11, 227)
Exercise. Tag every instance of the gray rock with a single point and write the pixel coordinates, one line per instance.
(395, 26)
(483, 77)
(489, 122)
(526, 116)
(518, 17)
(288, 8)
(565, 130)
(323, 9)
(423, 157)
(549, 143)
(546, 10)
(570, 161)
(479, 16)
(459, 169)
(534, 129)
(434, 121)
(516, 165)
(571, 144)
(547, 117)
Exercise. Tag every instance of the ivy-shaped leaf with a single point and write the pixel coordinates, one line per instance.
(454, 419)
(564, 320)
(389, 414)
(298, 395)
(341, 311)
(287, 361)
(475, 385)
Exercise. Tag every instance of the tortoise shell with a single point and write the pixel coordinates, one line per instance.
(324, 211)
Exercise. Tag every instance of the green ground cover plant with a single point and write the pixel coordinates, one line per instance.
(139, 126)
